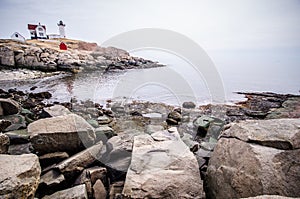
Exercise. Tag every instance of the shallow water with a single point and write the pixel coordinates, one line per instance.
(173, 84)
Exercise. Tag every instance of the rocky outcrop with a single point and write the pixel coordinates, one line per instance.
(45, 56)
(255, 158)
(67, 133)
(159, 168)
(19, 176)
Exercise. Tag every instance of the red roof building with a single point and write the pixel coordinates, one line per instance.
(37, 31)
(63, 46)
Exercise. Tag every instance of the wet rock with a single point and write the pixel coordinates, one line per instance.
(52, 158)
(4, 143)
(116, 190)
(67, 133)
(255, 158)
(56, 110)
(189, 105)
(19, 181)
(8, 107)
(104, 132)
(81, 160)
(174, 116)
(77, 192)
(19, 149)
(4, 124)
(41, 95)
(99, 190)
(159, 168)
(17, 122)
(18, 136)
(104, 120)
(290, 109)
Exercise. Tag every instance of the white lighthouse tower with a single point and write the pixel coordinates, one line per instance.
(61, 27)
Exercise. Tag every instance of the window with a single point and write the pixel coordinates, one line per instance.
(41, 34)
(16, 35)
(40, 29)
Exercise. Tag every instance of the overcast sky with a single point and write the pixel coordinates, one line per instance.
(216, 25)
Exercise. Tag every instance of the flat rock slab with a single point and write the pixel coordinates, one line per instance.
(19, 175)
(162, 166)
(77, 192)
(67, 133)
(276, 133)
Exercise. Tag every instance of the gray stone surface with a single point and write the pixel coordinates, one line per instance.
(19, 176)
(67, 133)
(162, 166)
(249, 160)
(77, 192)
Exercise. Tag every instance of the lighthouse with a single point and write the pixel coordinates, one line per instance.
(61, 27)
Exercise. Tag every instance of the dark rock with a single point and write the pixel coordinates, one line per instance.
(17, 122)
(116, 190)
(18, 136)
(50, 182)
(19, 149)
(189, 105)
(40, 95)
(8, 107)
(52, 158)
(103, 133)
(175, 115)
(4, 124)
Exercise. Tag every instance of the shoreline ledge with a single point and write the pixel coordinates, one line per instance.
(45, 55)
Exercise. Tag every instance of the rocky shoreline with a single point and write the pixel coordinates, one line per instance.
(81, 149)
(44, 55)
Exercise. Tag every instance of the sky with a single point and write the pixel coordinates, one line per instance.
(215, 25)
(260, 36)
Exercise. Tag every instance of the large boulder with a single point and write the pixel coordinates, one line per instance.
(256, 158)
(19, 175)
(162, 166)
(8, 107)
(67, 133)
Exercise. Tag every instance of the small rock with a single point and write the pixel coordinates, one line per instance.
(4, 124)
(19, 181)
(175, 116)
(51, 179)
(19, 149)
(17, 122)
(77, 192)
(4, 143)
(116, 190)
(102, 131)
(52, 158)
(56, 110)
(18, 136)
(103, 120)
(189, 105)
(9, 107)
(99, 190)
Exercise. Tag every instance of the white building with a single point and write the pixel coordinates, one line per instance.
(61, 27)
(17, 37)
(37, 31)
